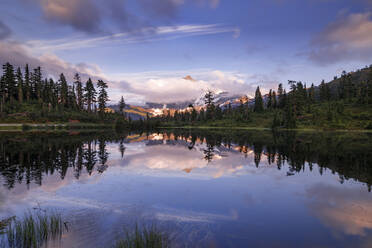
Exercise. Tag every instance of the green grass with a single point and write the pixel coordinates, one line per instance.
(146, 238)
(34, 230)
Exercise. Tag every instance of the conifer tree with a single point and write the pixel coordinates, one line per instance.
(79, 92)
(19, 77)
(122, 105)
(63, 90)
(281, 100)
(90, 94)
(270, 100)
(102, 96)
(208, 99)
(275, 104)
(27, 84)
(9, 83)
(258, 101)
(37, 83)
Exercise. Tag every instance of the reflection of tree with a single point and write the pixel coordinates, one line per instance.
(209, 153)
(102, 155)
(347, 154)
(27, 158)
(257, 148)
(122, 148)
(90, 158)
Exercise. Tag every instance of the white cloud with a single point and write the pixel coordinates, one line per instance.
(142, 35)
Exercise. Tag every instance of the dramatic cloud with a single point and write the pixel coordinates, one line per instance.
(349, 38)
(93, 15)
(172, 86)
(80, 14)
(5, 31)
(163, 87)
(18, 55)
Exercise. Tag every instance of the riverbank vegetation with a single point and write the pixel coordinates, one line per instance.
(147, 237)
(33, 230)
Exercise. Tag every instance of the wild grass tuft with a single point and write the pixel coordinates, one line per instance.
(146, 238)
(33, 230)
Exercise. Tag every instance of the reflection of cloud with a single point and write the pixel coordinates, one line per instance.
(168, 214)
(172, 158)
(345, 210)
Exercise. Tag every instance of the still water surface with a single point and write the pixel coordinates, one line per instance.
(206, 189)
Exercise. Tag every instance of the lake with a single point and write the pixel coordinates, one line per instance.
(204, 188)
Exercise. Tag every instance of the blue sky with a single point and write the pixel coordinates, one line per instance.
(144, 48)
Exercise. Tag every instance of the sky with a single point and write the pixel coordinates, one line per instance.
(144, 49)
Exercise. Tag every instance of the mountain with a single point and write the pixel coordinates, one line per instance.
(134, 112)
(220, 98)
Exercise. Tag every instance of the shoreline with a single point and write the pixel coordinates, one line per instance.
(270, 129)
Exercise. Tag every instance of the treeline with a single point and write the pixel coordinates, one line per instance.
(25, 89)
(285, 109)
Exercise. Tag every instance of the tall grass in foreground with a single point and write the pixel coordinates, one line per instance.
(145, 238)
(33, 230)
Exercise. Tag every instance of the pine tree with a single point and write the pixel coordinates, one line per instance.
(63, 90)
(275, 104)
(122, 105)
(27, 84)
(258, 101)
(208, 99)
(312, 94)
(37, 83)
(9, 91)
(102, 96)
(270, 100)
(79, 92)
(281, 100)
(19, 77)
(90, 94)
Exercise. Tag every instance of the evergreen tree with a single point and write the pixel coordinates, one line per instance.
(9, 87)
(19, 77)
(27, 84)
(37, 84)
(63, 90)
(79, 92)
(275, 104)
(270, 100)
(258, 101)
(102, 96)
(122, 105)
(281, 100)
(208, 99)
(312, 94)
(90, 94)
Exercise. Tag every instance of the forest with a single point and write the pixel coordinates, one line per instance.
(25, 96)
(344, 103)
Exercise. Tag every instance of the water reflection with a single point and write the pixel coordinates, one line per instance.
(28, 158)
(221, 189)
